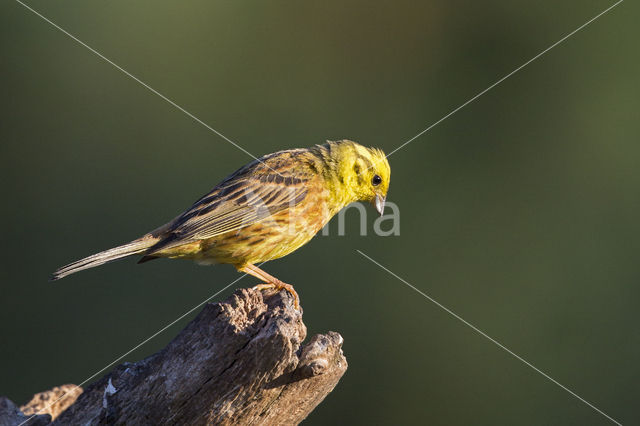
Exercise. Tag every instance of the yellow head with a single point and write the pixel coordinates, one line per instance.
(359, 173)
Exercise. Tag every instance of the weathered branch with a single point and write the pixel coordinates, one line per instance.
(237, 362)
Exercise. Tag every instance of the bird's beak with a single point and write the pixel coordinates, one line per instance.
(380, 203)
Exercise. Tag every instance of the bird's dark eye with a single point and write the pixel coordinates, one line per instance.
(377, 180)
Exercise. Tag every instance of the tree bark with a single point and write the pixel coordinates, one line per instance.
(238, 362)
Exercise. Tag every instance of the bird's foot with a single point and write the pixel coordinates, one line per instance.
(281, 286)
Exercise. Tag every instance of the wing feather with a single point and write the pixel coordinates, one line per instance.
(252, 194)
(256, 204)
(236, 203)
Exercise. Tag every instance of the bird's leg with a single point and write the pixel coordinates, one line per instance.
(270, 281)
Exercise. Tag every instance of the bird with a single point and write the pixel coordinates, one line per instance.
(263, 211)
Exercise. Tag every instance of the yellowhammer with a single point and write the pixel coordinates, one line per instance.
(263, 211)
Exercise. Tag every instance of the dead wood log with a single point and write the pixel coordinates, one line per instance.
(238, 362)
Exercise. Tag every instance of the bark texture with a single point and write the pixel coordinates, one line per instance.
(238, 362)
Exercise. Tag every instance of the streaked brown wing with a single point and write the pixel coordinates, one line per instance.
(248, 205)
(253, 193)
(241, 200)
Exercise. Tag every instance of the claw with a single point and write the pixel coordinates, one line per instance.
(281, 286)
(271, 282)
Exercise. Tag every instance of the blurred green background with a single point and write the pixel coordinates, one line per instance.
(519, 212)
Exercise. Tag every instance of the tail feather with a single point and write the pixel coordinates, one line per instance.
(138, 246)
